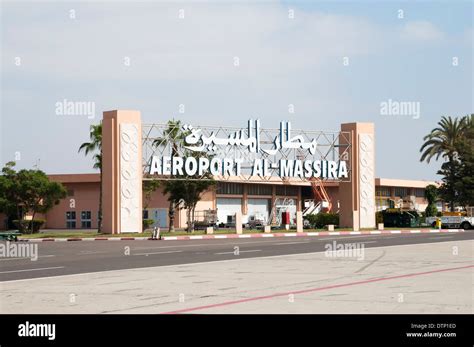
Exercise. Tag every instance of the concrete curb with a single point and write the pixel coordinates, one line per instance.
(247, 236)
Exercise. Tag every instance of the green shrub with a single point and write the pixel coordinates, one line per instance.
(147, 223)
(431, 210)
(321, 220)
(37, 224)
(22, 225)
(25, 225)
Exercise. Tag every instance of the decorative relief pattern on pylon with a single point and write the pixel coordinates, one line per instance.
(366, 181)
(130, 178)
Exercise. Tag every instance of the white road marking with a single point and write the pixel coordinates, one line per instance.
(24, 258)
(348, 237)
(166, 252)
(235, 241)
(253, 250)
(91, 252)
(290, 243)
(37, 269)
(212, 262)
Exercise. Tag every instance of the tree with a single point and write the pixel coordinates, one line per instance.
(442, 142)
(28, 191)
(183, 192)
(186, 193)
(37, 193)
(173, 136)
(95, 147)
(148, 188)
(431, 195)
(464, 182)
(9, 192)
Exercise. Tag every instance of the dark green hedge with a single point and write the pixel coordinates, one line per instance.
(25, 225)
(321, 220)
(147, 223)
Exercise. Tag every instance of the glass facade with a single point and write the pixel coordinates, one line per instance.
(259, 189)
(71, 219)
(420, 192)
(383, 191)
(230, 188)
(401, 192)
(86, 219)
(286, 190)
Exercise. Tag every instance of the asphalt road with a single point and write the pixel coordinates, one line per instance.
(64, 258)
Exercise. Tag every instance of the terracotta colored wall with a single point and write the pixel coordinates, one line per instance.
(86, 198)
(122, 170)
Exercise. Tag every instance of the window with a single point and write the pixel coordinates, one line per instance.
(286, 190)
(291, 191)
(230, 188)
(259, 189)
(86, 219)
(145, 214)
(382, 204)
(382, 191)
(420, 192)
(71, 219)
(401, 192)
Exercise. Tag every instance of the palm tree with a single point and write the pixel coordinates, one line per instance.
(442, 142)
(95, 147)
(173, 136)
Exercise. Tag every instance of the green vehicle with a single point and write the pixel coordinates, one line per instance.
(395, 218)
(10, 235)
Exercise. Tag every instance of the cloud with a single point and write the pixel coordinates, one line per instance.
(421, 31)
(204, 44)
(190, 61)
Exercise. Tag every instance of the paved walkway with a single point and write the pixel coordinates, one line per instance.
(421, 278)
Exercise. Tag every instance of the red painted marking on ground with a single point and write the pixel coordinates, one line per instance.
(75, 239)
(304, 291)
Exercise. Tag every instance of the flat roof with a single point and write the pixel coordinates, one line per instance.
(390, 182)
(75, 178)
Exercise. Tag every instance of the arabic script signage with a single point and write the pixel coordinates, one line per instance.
(201, 155)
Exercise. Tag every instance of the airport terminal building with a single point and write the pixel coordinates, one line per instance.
(261, 174)
(226, 198)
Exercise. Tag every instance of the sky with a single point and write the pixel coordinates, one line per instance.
(222, 63)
